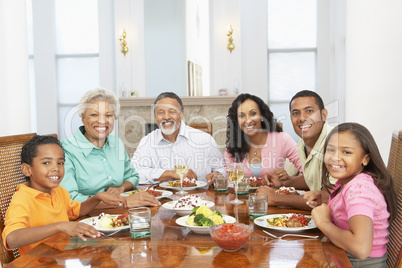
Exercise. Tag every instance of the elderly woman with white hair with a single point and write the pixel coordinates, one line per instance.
(97, 161)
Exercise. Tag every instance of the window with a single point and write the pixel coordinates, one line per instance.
(291, 47)
(77, 57)
(292, 53)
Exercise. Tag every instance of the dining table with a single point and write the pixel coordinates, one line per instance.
(173, 245)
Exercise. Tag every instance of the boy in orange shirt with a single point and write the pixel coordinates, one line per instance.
(43, 208)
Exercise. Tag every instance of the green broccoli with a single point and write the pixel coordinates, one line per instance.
(198, 218)
(218, 213)
(194, 211)
(206, 222)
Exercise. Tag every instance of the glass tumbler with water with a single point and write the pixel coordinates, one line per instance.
(140, 222)
(257, 205)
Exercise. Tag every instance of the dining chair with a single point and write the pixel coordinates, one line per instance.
(395, 230)
(10, 177)
(206, 127)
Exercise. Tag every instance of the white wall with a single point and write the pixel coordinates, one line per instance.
(374, 68)
(14, 87)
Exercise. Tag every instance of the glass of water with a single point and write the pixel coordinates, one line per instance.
(140, 222)
(257, 205)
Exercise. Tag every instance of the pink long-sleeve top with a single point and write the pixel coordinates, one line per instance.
(277, 148)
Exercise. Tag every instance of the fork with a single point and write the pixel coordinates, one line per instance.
(285, 235)
(110, 234)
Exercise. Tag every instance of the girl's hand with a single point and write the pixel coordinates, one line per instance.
(313, 198)
(112, 199)
(78, 229)
(321, 215)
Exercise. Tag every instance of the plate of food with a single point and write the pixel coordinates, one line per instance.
(108, 223)
(255, 183)
(286, 222)
(202, 218)
(186, 204)
(289, 190)
(157, 193)
(188, 184)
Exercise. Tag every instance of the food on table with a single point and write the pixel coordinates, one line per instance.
(109, 222)
(254, 182)
(231, 236)
(294, 220)
(287, 190)
(189, 202)
(186, 183)
(153, 192)
(204, 216)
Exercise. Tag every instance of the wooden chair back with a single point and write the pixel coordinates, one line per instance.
(395, 230)
(206, 127)
(10, 177)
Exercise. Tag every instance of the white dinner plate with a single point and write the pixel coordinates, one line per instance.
(89, 221)
(165, 184)
(262, 222)
(201, 229)
(164, 193)
(181, 211)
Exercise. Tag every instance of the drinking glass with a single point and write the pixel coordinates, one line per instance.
(181, 168)
(235, 175)
(257, 205)
(221, 183)
(140, 222)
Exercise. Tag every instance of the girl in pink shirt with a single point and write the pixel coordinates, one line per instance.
(363, 201)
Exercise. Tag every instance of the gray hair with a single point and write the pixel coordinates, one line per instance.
(98, 94)
(169, 95)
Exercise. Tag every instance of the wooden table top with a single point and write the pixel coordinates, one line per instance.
(171, 245)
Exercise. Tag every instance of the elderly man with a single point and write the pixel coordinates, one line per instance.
(308, 117)
(155, 156)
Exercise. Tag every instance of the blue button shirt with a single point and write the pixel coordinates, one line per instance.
(90, 170)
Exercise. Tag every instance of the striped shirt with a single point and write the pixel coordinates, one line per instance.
(155, 154)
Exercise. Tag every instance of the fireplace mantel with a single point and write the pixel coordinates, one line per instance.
(137, 113)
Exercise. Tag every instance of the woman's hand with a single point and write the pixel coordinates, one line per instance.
(115, 200)
(142, 199)
(115, 190)
(321, 215)
(272, 180)
(313, 198)
(282, 174)
(78, 229)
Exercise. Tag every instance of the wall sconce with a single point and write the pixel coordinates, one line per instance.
(123, 43)
(230, 46)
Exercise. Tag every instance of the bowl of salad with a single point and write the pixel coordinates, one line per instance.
(202, 218)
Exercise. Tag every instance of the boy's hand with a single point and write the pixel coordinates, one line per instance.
(79, 229)
(313, 198)
(112, 199)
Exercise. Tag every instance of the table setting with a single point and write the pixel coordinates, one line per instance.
(164, 237)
